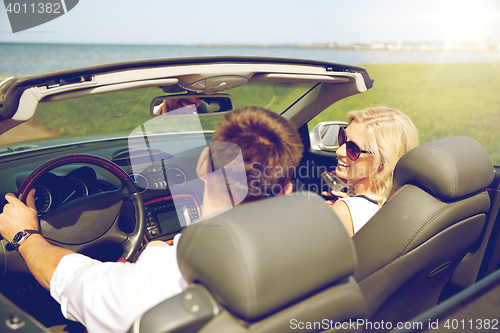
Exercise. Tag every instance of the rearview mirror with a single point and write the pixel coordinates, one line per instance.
(324, 136)
(191, 104)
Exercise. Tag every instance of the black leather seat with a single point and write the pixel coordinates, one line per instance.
(408, 250)
(276, 265)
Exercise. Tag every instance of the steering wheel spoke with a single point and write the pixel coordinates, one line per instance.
(115, 235)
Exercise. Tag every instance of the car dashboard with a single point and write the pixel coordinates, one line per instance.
(170, 189)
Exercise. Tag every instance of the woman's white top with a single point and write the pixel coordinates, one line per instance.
(362, 208)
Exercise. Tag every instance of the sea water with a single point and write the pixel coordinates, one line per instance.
(25, 58)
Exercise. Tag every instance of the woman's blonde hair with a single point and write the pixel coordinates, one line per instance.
(389, 133)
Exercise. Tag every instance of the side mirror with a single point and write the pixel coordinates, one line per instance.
(191, 104)
(324, 136)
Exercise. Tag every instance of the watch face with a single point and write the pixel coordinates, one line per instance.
(17, 238)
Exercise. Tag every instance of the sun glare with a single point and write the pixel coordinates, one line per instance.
(464, 20)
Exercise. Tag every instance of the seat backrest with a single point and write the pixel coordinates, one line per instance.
(409, 249)
(271, 266)
(467, 271)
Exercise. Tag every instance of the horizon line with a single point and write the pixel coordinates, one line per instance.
(258, 45)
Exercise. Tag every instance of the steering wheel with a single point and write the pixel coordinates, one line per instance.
(92, 220)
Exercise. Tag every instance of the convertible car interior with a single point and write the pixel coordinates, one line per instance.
(112, 152)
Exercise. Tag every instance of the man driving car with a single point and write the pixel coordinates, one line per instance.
(108, 296)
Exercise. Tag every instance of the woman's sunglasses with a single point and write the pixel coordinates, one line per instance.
(352, 149)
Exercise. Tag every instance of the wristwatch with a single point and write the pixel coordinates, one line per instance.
(20, 238)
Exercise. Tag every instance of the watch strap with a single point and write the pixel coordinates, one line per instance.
(27, 233)
(9, 247)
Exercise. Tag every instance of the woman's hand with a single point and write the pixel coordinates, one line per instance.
(335, 195)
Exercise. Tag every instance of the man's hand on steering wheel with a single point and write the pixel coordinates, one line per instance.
(92, 220)
(17, 216)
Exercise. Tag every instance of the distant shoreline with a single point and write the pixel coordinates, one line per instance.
(28, 59)
(414, 47)
(480, 46)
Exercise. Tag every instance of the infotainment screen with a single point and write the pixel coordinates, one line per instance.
(169, 221)
(164, 218)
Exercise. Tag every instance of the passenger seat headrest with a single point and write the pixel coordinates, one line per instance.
(260, 257)
(450, 168)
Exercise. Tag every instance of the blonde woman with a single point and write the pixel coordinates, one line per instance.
(370, 147)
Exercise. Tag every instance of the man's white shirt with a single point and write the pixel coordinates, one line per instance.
(108, 297)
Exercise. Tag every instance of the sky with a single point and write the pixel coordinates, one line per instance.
(265, 22)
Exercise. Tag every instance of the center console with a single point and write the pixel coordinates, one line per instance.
(167, 216)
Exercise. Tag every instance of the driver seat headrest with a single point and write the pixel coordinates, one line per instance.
(261, 257)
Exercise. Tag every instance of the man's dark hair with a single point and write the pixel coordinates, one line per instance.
(271, 148)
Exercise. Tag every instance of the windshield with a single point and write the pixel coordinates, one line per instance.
(120, 113)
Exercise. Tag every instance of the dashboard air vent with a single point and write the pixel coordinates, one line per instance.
(139, 156)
